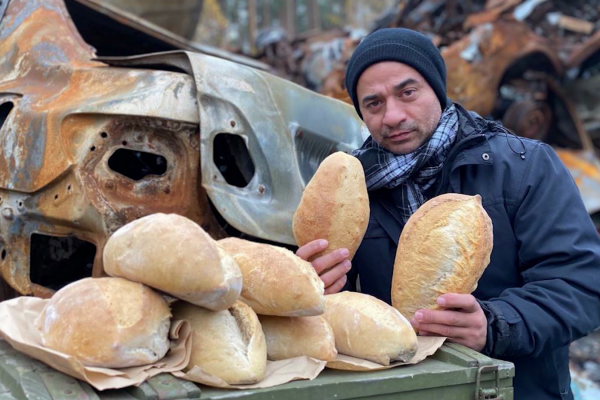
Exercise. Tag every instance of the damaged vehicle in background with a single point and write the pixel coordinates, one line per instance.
(90, 143)
(504, 71)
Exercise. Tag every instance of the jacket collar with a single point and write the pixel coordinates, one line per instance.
(472, 147)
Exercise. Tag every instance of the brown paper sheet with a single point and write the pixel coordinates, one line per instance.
(17, 327)
(277, 373)
(427, 346)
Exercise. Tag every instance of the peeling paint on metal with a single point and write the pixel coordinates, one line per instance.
(585, 170)
(70, 115)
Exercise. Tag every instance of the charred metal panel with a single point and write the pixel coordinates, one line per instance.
(273, 117)
(476, 64)
(116, 32)
(268, 113)
(585, 169)
(64, 119)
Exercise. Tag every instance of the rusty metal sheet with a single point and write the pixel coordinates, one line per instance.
(585, 169)
(287, 129)
(69, 117)
(584, 51)
(142, 25)
(476, 64)
(493, 10)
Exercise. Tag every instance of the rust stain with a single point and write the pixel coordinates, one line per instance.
(69, 117)
(494, 48)
(575, 162)
(41, 59)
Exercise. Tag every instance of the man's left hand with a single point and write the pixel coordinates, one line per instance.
(461, 320)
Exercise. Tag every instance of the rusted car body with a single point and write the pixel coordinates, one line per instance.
(504, 71)
(497, 54)
(91, 144)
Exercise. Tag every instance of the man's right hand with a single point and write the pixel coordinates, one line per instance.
(332, 267)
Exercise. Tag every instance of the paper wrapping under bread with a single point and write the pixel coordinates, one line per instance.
(427, 346)
(277, 373)
(17, 327)
(284, 371)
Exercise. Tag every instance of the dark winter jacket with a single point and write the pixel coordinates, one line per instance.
(541, 289)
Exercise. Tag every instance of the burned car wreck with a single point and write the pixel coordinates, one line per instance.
(91, 143)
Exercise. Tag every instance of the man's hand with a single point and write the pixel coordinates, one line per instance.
(462, 321)
(334, 278)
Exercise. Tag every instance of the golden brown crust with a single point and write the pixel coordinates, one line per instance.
(107, 322)
(366, 327)
(228, 344)
(276, 281)
(334, 205)
(173, 254)
(444, 248)
(289, 337)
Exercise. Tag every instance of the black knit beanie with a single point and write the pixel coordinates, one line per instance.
(402, 45)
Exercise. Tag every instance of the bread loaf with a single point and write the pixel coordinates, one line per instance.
(334, 205)
(107, 322)
(366, 327)
(175, 255)
(289, 337)
(444, 248)
(228, 344)
(276, 281)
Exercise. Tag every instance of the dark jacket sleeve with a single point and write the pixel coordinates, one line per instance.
(559, 257)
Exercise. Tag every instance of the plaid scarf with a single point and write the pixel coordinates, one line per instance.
(415, 172)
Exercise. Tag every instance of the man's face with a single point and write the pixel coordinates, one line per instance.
(398, 106)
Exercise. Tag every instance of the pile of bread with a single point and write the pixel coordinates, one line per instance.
(248, 302)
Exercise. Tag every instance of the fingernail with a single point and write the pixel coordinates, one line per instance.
(413, 322)
(441, 301)
(323, 243)
(347, 264)
(419, 316)
(344, 252)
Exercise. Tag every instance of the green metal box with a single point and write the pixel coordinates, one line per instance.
(454, 372)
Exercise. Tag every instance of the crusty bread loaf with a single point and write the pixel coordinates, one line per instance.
(366, 327)
(175, 255)
(289, 337)
(228, 344)
(334, 205)
(107, 322)
(444, 248)
(276, 281)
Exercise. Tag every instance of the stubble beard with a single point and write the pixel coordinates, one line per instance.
(410, 126)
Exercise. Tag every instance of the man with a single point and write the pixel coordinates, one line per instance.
(541, 289)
